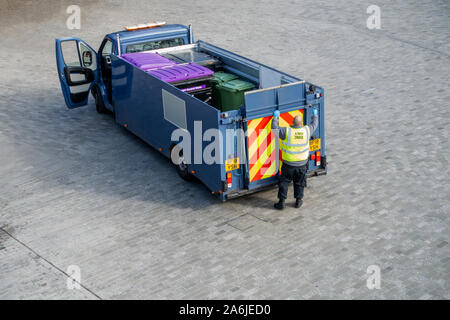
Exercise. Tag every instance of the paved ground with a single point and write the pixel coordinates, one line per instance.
(78, 190)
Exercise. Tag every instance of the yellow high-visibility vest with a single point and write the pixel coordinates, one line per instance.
(295, 146)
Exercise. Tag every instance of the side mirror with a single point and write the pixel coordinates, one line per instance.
(76, 76)
(87, 58)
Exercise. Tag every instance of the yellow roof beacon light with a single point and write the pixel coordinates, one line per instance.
(145, 26)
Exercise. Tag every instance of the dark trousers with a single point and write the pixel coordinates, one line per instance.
(289, 174)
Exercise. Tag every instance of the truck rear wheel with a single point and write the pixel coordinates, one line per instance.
(180, 163)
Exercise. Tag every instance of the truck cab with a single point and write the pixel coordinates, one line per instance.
(82, 70)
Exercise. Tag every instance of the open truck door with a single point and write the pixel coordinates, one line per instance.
(263, 152)
(77, 70)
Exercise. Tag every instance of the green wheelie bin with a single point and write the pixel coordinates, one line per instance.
(230, 94)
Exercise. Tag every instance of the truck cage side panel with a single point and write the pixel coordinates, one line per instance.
(140, 103)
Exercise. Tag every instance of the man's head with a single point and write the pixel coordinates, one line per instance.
(298, 121)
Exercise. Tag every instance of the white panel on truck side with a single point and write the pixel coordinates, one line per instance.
(174, 109)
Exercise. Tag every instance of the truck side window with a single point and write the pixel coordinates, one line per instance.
(70, 53)
(153, 45)
(107, 48)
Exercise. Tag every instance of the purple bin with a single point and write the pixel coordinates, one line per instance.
(147, 60)
(181, 72)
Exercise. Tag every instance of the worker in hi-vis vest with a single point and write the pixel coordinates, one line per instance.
(294, 145)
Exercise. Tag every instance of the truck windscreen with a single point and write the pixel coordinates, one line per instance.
(153, 45)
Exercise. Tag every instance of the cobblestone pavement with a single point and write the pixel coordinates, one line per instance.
(76, 189)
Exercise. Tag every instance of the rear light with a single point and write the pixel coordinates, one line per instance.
(229, 180)
(313, 157)
(318, 158)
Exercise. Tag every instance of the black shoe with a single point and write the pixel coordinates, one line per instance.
(279, 205)
(298, 203)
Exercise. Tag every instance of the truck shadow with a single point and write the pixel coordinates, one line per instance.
(86, 152)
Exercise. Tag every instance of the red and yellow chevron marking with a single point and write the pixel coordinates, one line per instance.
(261, 142)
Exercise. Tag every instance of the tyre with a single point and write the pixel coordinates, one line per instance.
(99, 104)
(180, 163)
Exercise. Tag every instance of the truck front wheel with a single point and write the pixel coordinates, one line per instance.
(99, 104)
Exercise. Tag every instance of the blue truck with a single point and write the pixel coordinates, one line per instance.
(153, 108)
